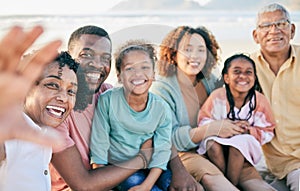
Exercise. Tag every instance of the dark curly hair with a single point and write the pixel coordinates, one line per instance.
(138, 44)
(169, 48)
(64, 58)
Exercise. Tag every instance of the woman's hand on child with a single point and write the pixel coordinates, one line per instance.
(226, 128)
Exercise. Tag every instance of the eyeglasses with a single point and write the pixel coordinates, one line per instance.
(282, 25)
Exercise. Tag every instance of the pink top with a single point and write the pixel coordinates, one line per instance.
(262, 121)
(77, 130)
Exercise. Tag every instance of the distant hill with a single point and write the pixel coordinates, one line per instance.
(177, 5)
(292, 5)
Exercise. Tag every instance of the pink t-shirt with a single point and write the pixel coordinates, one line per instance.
(76, 129)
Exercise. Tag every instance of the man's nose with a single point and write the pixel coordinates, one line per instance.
(96, 63)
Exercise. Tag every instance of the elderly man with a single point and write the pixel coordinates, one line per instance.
(278, 70)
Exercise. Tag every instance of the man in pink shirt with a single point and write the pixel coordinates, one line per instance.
(91, 47)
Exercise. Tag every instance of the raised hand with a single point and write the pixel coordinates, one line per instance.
(16, 78)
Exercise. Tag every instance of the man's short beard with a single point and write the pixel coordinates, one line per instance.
(94, 91)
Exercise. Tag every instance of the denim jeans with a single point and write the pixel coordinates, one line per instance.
(162, 183)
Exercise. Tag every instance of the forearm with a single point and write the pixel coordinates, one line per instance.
(108, 177)
(69, 164)
(152, 178)
(199, 133)
(181, 179)
(175, 164)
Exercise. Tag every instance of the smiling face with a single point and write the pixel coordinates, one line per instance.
(94, 55)
(137, 72)
(276, 39)
(191, 55)
(240, 76)
(50, 101)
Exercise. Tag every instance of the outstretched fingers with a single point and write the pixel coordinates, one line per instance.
(33, 66)
(14, 44)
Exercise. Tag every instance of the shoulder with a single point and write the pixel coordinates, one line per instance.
(260, 96)
(261, 99)
(104, 87)
(165, 81)
(159, 104)
(219, 92)
(295, 50)
(296, 46)
(169, 83)
(212, 83)
(109, 92)
(156, 98)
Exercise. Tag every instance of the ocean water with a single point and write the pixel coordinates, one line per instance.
(233, 30)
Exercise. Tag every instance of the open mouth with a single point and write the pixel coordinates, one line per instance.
(194, 64)
(56, 111)
(242, 83)
(138, 82)
(93, 76)
(275, 39)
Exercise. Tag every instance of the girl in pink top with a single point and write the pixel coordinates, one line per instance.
(247, 109)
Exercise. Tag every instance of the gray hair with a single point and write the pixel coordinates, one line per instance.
(271, 8)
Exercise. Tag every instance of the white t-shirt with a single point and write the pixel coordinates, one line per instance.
(26, 166)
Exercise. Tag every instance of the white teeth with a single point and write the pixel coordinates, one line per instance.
(138, 82)
(194, 63)
(242, 83)
(58, 111)
(275, 39)
(56, 108)
(94, 76)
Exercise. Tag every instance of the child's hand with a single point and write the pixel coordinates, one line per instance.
(139, 188)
